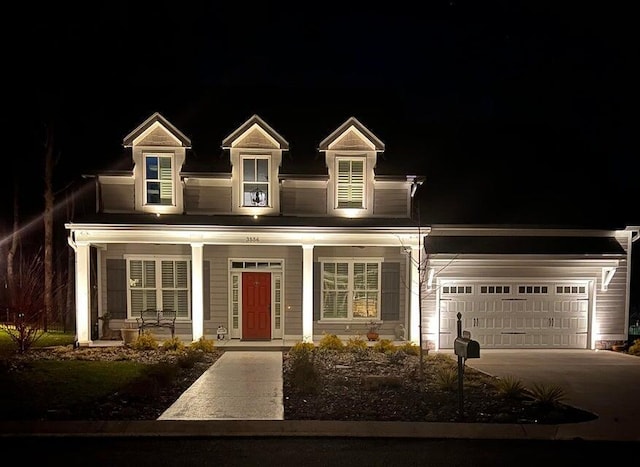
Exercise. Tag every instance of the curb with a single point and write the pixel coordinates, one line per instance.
(290, 428)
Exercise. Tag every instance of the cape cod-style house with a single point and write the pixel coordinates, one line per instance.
(286, 257)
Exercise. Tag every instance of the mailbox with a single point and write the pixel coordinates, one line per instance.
(466, 348)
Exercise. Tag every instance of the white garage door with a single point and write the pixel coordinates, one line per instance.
(516, 314)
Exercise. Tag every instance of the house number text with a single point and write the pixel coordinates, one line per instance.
(253, 239)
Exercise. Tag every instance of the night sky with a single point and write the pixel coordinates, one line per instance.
(516, 112)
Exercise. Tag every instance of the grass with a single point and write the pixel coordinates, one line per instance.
(43, 385)
(39, 386)
(48, 339)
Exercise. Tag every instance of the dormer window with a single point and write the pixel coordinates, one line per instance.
(158, 179)
(350, 183)
(255, 181)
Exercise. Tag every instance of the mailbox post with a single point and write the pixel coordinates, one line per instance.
(464, 347)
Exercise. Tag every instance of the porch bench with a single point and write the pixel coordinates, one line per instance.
(157, 319)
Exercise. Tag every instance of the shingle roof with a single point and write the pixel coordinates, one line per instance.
(523, 245)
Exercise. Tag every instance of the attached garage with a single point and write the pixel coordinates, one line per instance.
(505, 314)
(519, 290)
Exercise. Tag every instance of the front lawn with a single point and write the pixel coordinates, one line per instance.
(48, 339)
(40, 389)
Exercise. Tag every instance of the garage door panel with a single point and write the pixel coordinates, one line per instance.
(537, 306)
(537, 316)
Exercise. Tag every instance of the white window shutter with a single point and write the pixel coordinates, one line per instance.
(149, 274)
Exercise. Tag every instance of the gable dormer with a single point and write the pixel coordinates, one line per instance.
(158, 151)
(351, 153)
(256, 155)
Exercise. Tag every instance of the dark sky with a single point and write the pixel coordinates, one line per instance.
(516, 112)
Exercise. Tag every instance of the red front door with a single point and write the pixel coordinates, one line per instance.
(256, 305)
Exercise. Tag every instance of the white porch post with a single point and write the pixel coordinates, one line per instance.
(197, 289)
(307, 293)
(83, 292)
(414, 311)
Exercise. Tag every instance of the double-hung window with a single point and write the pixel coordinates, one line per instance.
(159, 284)
(350, 183)
(158, 179)
(255, 181)
(351, 288)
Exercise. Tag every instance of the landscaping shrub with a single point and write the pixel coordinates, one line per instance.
(164, 373)
(510, 388)
(173, 344)
(547, 394)
(446, 378)
(145, 341)
(203, 344)
(189, 358)
(356, 344)
(301, 349)
(330, 342)
(634, 349)
(304, 377)
(384, 346)
(409, 348)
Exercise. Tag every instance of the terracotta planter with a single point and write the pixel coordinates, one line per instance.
(372, 336)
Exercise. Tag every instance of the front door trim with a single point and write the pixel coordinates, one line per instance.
(236, 267)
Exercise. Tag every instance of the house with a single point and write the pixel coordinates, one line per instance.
(274, 256)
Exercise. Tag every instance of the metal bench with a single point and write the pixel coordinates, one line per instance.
(157, 319)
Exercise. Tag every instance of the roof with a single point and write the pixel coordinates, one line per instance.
(324, 145)
(228, 141)
(523, 245)
(156, 117)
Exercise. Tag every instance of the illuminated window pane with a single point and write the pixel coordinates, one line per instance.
(350, 183)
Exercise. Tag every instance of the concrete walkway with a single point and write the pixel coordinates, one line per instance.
(242, 385)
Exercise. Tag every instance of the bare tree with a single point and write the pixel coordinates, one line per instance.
(26, 306)
(11, 277)
(70, 289)
(48, 225)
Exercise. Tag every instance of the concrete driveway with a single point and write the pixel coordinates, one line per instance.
(603, 382)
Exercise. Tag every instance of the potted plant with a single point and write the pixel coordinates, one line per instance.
(129, 334)
(372, 333)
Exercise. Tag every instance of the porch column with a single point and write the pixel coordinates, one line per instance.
(414, 310)
(83, 292)
(197, 289)
(307, 293)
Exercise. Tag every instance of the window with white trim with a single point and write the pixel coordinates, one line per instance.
(159, 284)
(255, 181)
(351, 289)
(158, 176)
(350, 183)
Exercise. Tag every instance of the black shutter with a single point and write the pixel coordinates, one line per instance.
(316, 291)
(117, 288)
(390, 304)
(206, 290)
